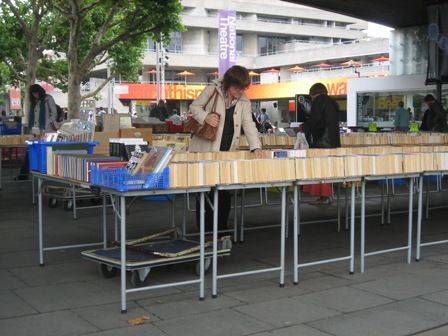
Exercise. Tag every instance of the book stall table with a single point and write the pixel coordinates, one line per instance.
(281, 267)
(419, 243)
(121, 197)
(69, 183)
(10, 148)
(351, 256)
(408, 246)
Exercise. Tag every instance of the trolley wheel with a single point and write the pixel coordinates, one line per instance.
(225, 243)
(107, 271)
(68, 205)
(140, 277)
(207, 264)
(52, 202)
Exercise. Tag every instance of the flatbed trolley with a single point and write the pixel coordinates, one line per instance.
(145, 253)
(64, 193)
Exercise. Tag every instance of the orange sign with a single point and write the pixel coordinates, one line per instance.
(14, 99)
(335, 87)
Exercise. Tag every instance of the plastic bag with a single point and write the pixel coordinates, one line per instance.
(301, 142)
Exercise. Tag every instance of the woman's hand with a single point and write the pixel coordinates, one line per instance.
(212, 119)
(260, 154)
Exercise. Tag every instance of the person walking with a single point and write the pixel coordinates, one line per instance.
(234, 113)
(263, 119)
(323, 129)
(401, 121)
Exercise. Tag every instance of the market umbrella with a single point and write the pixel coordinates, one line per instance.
(151, 74)
(214, 73)
(296, 68)
(351, 63)
(47, 86)
(321, 65)
(381, 59)
(272, 70)
(253, 74)
(185, 74)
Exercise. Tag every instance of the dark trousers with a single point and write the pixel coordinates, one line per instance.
(25, 168)
(224, 203)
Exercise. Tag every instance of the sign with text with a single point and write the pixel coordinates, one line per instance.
(335, 87)
(14, 99)
(227, 40)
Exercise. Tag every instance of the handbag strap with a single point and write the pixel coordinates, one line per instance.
(215, 102)
(214, 94)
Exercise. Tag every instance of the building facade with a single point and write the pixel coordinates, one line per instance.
(274, 39)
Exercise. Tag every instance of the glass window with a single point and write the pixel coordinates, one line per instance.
(267, 45)
(239, 43)
(380, 107)
(176, 42)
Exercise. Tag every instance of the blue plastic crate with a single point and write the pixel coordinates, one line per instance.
(32, 153)
(10, 128)
(121, 180)
(38, 152)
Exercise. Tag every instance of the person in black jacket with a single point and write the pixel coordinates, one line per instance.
(159, 111)
(323, 130)
(436, 119)
(323, 123)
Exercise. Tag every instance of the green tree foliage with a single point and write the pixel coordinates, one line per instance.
(24, 34)
(83, 35)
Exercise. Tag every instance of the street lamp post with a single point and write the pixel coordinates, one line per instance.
(160, 75)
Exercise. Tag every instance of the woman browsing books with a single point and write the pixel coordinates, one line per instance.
(42, 117)
(234, 114)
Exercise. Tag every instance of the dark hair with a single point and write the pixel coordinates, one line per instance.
(39, 89)
(400, 103)
(60, 113)
(318, 88)
(237, 76)
(429, 97)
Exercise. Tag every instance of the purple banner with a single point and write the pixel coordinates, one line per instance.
(227, 40)
(437, 44)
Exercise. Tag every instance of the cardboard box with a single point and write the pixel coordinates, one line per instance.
(111, 122)
(160, 128)
(145, 133)
(103, 139)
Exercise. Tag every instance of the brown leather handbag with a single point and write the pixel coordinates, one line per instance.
(204, 131)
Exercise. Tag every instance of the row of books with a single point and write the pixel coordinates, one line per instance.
(152, 161)
(190, 174)
(72, 161)
(14, 139)
(362, 139)
(67, 135)
(347, 139)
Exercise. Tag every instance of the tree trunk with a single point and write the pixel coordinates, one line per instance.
(74, 80)
(33, 57)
